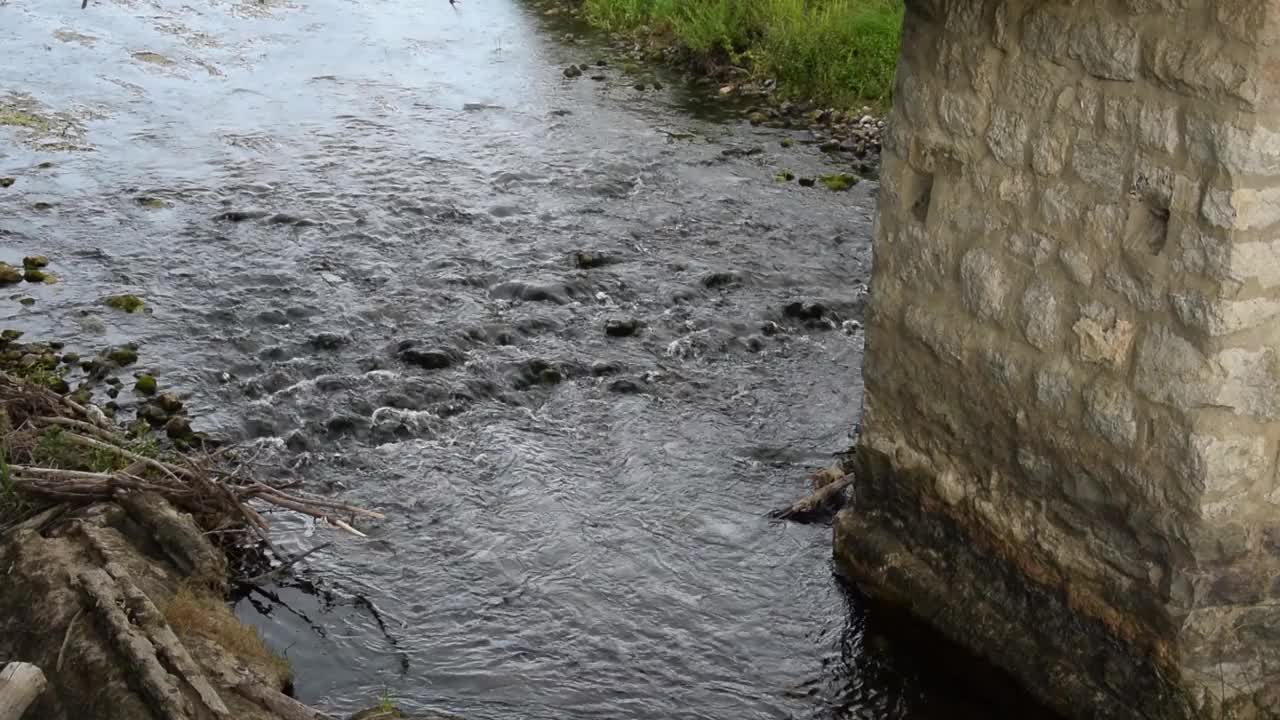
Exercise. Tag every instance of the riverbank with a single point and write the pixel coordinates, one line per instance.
(782, 64)
(129, 534)
(839, 53)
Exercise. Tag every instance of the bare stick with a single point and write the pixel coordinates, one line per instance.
(66, 638)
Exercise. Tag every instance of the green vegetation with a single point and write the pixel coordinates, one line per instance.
(839, 181)
(834, 51)
(127, 303)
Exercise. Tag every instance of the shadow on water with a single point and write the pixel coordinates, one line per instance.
(573, 340)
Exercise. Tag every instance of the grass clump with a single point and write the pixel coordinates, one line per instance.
(196, 613)
(841, 52)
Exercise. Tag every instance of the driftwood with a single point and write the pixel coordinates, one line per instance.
(829, 484)
(20, 685)
(201, 485)
(279, 703)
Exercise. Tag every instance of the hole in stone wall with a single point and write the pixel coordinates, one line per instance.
(1147, 227)
(924, 192)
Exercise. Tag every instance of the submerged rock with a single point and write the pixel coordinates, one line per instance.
(6, 182)
(123, 355)
(572, 71)
(427, 359)
(127, 303)
(839, 181)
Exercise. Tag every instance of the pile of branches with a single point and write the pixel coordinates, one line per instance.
(215, 489)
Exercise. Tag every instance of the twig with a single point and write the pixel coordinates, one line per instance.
(66, 639)
(293, 561)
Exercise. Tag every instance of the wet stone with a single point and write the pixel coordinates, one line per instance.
(6, 182)
(426, 359)
(721, 279)
(178, 427)
(273, 317)
(9, 275)
(626, 386)
(169, 402)
(572, 71)
(328, 341)
(154, 415)
(621, 328)
(146, 385)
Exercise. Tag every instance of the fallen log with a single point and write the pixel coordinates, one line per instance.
(20, 685)
(813, 505)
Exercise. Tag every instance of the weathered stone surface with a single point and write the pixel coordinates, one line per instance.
(1040, 316)
(985, 283)
(1007, 137)
(1107, 49)
(1068, 456)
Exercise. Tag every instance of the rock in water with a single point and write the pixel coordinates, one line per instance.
(9, 274)
(572, 71)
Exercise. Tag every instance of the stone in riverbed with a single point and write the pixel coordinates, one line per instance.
(572, 71)
(169, 402)
(807, 182)
(9, 274)
(177, 427)
(621, 327)
(6, 182)
(145, 385)
(153, 415)
(123, 355)
(427, 359)
(127, 303)
(35, 261)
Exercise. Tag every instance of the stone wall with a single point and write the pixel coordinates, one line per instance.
(1068, 458)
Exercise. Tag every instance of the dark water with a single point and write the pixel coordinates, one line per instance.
(576, 522)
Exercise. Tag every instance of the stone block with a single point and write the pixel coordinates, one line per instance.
(1107, 49)
(1049, 151)
(1216, 317)
(1242, 208)
(1169, 369)
(1101, 163)
(1059, 207)
(1158, 128)
(1080, 104)
(1035, 248)
(1104, 342)
(1200, 64)
(938, 332)
(985, 283)
(962, 115)
(1228, 465)
(1076, 262)
(1045, 33)
(1120, 115)
(1007, 137)
(1040, 316)
(1244, 149)
(1258, 262)
(1110, 412)
(1251, 382)
(1054, 387)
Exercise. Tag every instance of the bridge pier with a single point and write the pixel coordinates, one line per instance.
(1068, 457)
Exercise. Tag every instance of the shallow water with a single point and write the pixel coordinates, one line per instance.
(322, 202)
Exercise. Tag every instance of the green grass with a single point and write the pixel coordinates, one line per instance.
(841, 52)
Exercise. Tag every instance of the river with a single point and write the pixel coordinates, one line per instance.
(383, 241)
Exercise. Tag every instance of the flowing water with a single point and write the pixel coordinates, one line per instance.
(383, 240)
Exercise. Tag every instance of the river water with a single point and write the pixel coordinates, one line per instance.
(383, 240)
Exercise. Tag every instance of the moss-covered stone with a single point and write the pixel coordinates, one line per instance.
(152, 203)
(32, 275)
(123, 355)
(27, 300)
(13, 117)
(146, 385)
(35, 261)
(9, 274)
(6, 182)
(127, 303)
(839, 181)
(10, 335)
(784, 176)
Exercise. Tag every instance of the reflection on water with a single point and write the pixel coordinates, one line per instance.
(384, 241)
